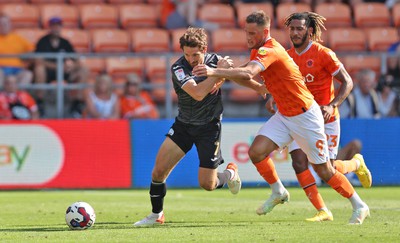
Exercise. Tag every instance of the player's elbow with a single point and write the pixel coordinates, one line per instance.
(198, 97)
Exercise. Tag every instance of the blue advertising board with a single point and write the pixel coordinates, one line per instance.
(379, 139)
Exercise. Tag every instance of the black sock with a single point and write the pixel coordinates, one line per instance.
(158, 190)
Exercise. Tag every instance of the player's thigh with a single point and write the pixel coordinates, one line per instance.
(272, 135)
(332, 131)
(308, 131)
(208, 144)
(167, 158)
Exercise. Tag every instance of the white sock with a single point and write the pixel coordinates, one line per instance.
(356, 201)
(230, 174)
(325, 209)
(278, 187)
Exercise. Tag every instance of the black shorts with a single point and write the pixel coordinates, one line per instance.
(207, 139)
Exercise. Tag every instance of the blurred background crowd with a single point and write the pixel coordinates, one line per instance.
(119, 53)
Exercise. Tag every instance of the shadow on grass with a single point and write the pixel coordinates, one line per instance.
(58, 228)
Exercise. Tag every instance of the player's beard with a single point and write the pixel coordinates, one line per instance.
(303, 40)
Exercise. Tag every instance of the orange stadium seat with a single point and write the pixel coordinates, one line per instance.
(222, 14)
(120, 66)
(347, 39)
(371, 15)
(79, 38)
(154, 2)
(229, 40)
(68, 13)
(124, 1)
(244, 9)
(22, 15)
(159, 91)
(396, 15)
(282, 36)
(150, 40)
(242, 94)
(85, 1)
(46, 1)
(31, 34)
(95, 65)
(336, 14)
(98, 16)
(176, 34)
(110, 40)
(156, 67)
(15, 1)
(381, 38)
(354, 63)
(138, 16)
(283, 10)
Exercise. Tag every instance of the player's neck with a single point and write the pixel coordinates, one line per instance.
(303, 48)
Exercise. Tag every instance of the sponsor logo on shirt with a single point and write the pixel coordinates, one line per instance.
(180, 74)
(262, 51)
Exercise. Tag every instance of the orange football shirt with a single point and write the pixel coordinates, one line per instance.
(282, 78)
(318, 65)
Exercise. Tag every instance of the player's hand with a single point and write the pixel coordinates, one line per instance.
(270, 105)
(202, 70)
(225, 62)
(216, 87)
(263, 91)
(327, 112)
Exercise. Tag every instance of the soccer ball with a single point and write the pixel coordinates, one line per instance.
(80, 216)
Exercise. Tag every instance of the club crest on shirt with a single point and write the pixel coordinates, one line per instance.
(310, 63)
(262, 51)
(180, 74)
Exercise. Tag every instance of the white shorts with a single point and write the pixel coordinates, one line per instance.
(332, 131)
(307, 129)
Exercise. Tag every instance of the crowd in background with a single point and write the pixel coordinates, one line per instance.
(374, 95)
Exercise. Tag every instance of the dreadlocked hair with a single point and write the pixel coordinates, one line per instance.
(313, 20)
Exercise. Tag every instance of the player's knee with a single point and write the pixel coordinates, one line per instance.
(325, 171)
(208, 185)
(158, 175)
(255, 156)
(299, 166)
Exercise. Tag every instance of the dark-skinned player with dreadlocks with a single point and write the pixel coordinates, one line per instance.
(319, 67)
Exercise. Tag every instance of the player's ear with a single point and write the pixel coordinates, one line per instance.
(266, 32)
(205, 49)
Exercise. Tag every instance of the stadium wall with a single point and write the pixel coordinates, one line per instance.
(94, 154)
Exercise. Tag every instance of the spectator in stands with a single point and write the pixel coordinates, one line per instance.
(135, 102)
(15, 103)
(46, 69)
(13, 44)
(388, 99)
(177, 14)
(393, 61)
(366, 102)
(102, 102)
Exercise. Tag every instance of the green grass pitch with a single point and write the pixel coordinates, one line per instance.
(196, 216)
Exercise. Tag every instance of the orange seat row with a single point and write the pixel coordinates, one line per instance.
(226, 40)
(95, 14)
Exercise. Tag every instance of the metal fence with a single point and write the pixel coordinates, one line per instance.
(60, 86)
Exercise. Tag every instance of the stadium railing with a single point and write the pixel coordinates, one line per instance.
(60, 86)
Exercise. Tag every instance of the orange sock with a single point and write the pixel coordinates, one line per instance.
(307, 182)
(345, 166)
(266, 168)
(340, 183)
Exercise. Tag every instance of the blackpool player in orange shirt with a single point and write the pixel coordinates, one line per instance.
(319, 65)
(298, 117)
